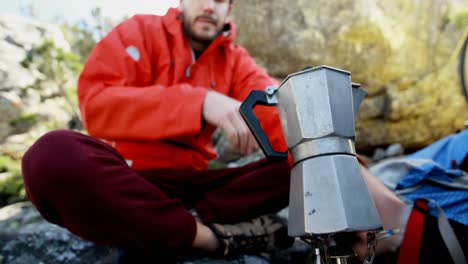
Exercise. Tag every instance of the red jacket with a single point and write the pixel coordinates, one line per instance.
(141, 91)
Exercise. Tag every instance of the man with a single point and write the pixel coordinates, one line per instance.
(154, 90)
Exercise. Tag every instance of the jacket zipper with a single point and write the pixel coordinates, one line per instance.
(188, 70)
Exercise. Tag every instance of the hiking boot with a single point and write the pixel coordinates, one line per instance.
(262, 234)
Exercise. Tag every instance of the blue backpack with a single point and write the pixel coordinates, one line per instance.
(435, 181)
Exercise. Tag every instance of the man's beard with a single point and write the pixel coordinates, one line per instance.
(193, 36)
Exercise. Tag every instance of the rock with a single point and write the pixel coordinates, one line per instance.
(229, 158)
(393, 150)
(240, 260)
(36, 248)
(18, 36)
(5, 130)
(25, 237)
(34, 78)
(12, 74)
(26, 33)
(416, 116)
(19, 98)
(16, 145)
(402, 52)
(223, 148)
(11, 108)
(257, 155)
(360, 36)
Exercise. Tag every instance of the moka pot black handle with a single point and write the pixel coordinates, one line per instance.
(246, 109)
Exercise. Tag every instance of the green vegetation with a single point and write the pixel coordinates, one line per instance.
(60, 69)
(460, 19)
(52, 61)
(25, 118)
(11, 181)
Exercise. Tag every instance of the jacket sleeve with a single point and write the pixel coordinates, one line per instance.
(117, 100)
(249, 76)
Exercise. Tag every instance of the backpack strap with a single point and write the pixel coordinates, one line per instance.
(449, 237)
(410, 248)
(411, 245)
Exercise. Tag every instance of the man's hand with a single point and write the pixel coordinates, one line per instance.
(223, 112)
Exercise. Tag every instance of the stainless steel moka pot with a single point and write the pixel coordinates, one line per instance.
(317, 109)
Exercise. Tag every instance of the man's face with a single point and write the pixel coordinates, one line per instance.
(204, 19)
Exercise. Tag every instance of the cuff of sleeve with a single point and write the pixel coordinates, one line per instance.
(194, 107)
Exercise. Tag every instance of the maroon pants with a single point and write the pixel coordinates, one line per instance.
(84, 185)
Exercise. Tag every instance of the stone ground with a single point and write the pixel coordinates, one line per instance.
(25, 237)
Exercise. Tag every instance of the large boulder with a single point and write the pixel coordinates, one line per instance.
(25, 237)
(404, 53)
(26, 92)
(34, 79)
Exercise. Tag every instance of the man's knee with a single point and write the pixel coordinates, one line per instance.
(51, 165)
(65, 163)
(49, 155)
(44, 170)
